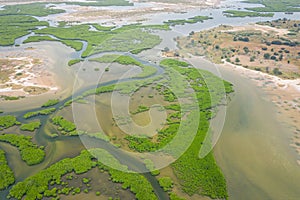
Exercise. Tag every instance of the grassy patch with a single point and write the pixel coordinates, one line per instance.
(30, 152)
(6, 174)
(31, 126)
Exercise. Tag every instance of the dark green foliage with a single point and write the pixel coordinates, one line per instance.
(50, 102)
(30, 126)
(191, 20)
(6, 174)
(15, 26)
(8, 121)
(40, 112)
(30, 152)
(33, 9)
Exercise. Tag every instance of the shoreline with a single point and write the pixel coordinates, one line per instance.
(283, 93)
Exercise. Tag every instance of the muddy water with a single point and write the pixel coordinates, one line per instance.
(253, 150)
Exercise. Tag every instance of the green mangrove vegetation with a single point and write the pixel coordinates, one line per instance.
(37, 186)
(137, 183)
(15, 26)
(241, 13)
(74, 61)
(191, 20)
(166, 183)
(50, 102)
(46, 111)
(7, 121)
(127, 38)
(66, 127)
(31, 153)
(38, 38)
(275, 6)
(33, 9)
(31, 126)
(127, 60)
(7, 176)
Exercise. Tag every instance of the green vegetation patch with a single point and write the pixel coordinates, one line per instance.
(166, 183)
(31, 126)
(30, 152)
(33, 9)
(8, 121)
(207, 177)
(240, 13)
(275, 6)
(74, 61)
(65, 126)
(137, 183)
(37, 38)
(191, 20)
(47, 111)
(7, 176)
(15, 26)
(37, 186)
(127, 38)
(50, 102)
(127, 60)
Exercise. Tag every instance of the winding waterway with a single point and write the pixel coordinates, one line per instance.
(253, 150)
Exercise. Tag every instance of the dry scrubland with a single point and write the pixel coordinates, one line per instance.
(271, 47)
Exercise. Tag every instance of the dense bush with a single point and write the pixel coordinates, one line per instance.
(30, 152)
(6, 174)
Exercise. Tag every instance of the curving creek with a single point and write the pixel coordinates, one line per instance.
(253, 150)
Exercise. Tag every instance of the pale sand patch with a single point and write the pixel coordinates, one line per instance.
(34, 77)
(257, 27)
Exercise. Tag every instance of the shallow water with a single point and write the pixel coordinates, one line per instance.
(253, 150)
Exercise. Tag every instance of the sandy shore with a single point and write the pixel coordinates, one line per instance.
(24, 74)
(285, 94)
